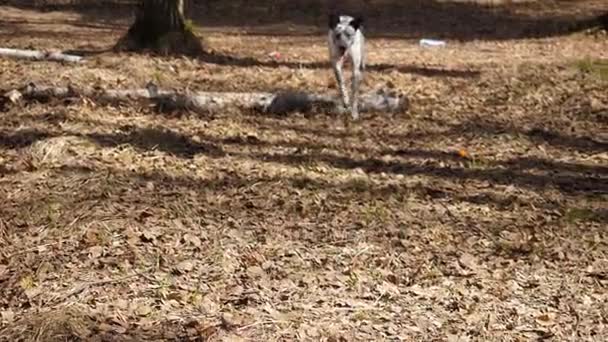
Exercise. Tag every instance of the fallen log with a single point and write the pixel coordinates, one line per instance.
(381, 100)
(40, 55)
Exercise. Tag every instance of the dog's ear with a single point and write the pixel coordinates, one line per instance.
(334, 19)
(356, 23)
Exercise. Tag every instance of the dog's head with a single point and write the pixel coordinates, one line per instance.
(343, 29)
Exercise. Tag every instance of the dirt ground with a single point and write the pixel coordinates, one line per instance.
(480, 214)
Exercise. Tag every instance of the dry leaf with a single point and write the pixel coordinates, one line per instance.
(255, 272)
(32, 292)
(469, 261)
(413, 328)
(546, 319)
(105, 327)
(91, 237)
(209, 305)
(95, 252)
(185, 266)
(14, 96)
(275, 314)
(192, 239)
(388, 288)
(119, 329)
(7, 316)
(3, 270)
(457, 338)
(230, 321)
(464, 154)
(143, 310)
(147, 236)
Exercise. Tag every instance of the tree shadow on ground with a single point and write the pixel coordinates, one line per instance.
(518, 163)
(158, 138)
(568, 178)
(569, 184)
(360, 189)
(14, 32)
(221, 59)
(70, 324)
(403, 19)
(471, 128)
(22, 138)
(571, 178)
(538, 134)
(144, 139)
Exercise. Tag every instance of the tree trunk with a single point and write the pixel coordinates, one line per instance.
(603, 21)
(160, 26)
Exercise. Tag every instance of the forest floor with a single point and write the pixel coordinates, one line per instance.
(479, 214)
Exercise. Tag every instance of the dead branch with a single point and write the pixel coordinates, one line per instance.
(40, 55)
(205, 102)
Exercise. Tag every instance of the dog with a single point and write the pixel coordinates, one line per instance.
(346, 40)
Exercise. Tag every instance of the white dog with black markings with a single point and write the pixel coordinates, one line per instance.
(346, 40)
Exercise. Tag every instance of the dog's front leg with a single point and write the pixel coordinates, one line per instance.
(356, 82)
(338, 72)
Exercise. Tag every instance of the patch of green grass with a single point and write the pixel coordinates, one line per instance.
(595, 67)
(375, 212)
(189, 26)
(574, 215)
(157, 76)
(358, 184)
(477, 164)
(53, 211)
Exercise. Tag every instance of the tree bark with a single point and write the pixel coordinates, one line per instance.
(160, 26)
(206, 102)
(603, 21)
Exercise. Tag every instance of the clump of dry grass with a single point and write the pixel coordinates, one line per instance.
(67, 324)
(56, 151)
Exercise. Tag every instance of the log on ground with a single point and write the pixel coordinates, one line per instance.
(381, 100)
(40, 55)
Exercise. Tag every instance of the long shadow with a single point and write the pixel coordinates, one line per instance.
(146, 139)
(220, 59)
(398, 19)
(97, 26)
(406, 19)
(22, 138)
(162, 139)
(461, 21)
(581, 143)
(569, 184)
(76, 325)
(519, 163)
(529, 163)
(571, 178)
(486, 128)
(166, 184)
(229, 60)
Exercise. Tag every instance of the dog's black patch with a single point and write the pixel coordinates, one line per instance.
(356, 23)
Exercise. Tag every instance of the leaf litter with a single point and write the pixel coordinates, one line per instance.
(479, 215)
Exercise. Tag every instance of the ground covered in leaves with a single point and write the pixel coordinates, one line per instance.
(480, 214)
